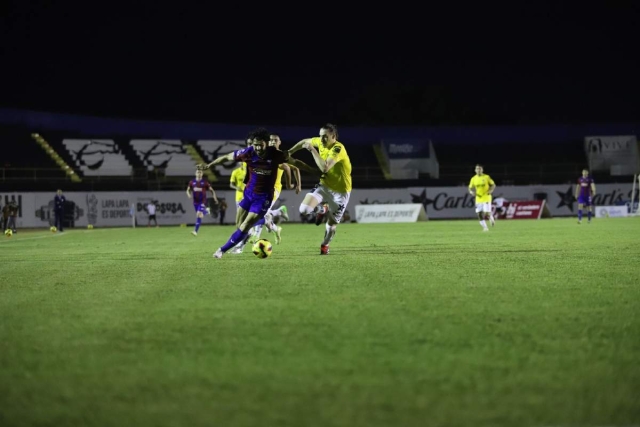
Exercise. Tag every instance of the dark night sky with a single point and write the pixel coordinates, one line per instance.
(303, 67)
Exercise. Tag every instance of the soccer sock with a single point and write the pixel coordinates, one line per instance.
(328, 234)
(492, 219)
(589, 215)
(579, 214)
(268, 221)
(198, 222)
(258, 229)
(277, 212)
(237, 237)
(483, 223)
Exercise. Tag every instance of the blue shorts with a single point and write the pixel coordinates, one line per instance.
(200, 207)
(584, 200)
(256, 203)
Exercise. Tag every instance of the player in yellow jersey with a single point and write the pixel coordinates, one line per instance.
(237, 180)
(481, 186)
(331, 195)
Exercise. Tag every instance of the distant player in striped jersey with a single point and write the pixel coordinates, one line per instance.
(585, 191)
(197, 189)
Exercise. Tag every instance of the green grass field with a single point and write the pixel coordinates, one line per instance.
(536, 323)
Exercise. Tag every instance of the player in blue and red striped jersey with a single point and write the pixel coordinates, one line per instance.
(585, 192)
(197, 189)
(262, 171)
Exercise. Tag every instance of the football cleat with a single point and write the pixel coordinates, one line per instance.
(320, 215)
(324, 249)
(237, 250)
(195, 233)
(285, 215)
(218, 253)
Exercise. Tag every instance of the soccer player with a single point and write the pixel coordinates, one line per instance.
(262, 165)
(58, 203)
(481, 186)
(499, 203)
(197, 189)
(12, 213)
(585, 191)
(237, 181)
(286, 171)
(331, 196)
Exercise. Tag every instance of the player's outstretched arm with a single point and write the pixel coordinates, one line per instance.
(299, 146)
(302, 165)
(577, 192)
(188, 191)
(593, 189)
(221, 159)
(296, 173)
(287, 175)
(323, 165)
(213, 195)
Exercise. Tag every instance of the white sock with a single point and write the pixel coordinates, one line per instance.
(483, 223)
(258, 229)
(492, 219)
(276, 213)
(328, 234)
(268, 222)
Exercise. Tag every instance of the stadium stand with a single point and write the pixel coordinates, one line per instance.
(24, 159)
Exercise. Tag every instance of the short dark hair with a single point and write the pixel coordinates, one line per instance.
(261, 134)
(480, 165)
(331, 128)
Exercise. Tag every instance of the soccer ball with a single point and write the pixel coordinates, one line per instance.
(53, 229)
(262, 248)
(9, 233)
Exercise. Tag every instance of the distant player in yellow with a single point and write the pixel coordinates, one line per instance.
(237, 180)
(481, 186)
(331, 196)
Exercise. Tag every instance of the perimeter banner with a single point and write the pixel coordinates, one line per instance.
(111, 209)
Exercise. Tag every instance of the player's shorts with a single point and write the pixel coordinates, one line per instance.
(152, 216)
(256, 203)
(585, 200)
(200, 207)
(337, 201)
(483, 207)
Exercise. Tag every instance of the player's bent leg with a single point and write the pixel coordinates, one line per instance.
(238, 236)
(580, 206)
(329, 234)
(479, 211)
(199, 217)
(309, 204)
